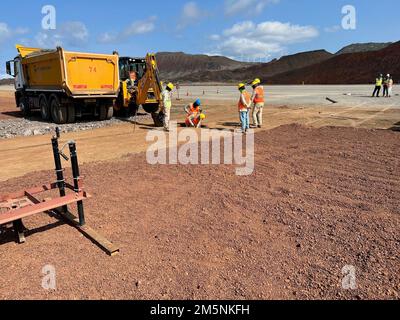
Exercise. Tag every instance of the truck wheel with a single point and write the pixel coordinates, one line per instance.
(44, 108)
(106, 112)
(58, 111)
(71, 114)
(102, 113)
(133, 109)
(110, 112)
(24, 106)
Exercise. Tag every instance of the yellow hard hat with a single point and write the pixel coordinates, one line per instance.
(170, 86)
(241, 86)
(256, 81)
(202, 116)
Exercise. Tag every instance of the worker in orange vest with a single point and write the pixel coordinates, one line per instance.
(195, 115)
(258, 103)
(244, 106)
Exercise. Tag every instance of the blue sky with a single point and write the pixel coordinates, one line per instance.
(241, 29)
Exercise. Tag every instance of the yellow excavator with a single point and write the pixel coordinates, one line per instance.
(146, 90)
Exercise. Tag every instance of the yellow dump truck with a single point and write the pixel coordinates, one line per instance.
(65, 85)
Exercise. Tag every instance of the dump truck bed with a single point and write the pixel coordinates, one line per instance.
(79, 75)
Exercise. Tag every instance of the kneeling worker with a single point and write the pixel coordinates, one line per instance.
(258, 101)
(244, 106)
(194, 114)
(167, 104)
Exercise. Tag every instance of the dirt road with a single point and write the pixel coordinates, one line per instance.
(319, 200)
(22, 155)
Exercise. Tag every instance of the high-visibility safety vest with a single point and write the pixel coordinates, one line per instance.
(247, 98)
(167, 99)
(194, 110)
(259, 95)
(379, 82)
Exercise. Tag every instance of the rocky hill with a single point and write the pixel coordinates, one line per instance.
(264, 70)
(364, 47)
(348, 68)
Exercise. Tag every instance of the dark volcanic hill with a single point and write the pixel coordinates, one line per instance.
(350, 68)
(364, 47)
(264, 70)
(175, 65)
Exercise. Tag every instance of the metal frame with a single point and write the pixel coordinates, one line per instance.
(17, 206)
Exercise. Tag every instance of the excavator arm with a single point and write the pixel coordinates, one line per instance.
(149, 93)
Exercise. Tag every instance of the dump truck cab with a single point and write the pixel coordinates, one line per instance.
(14, 69)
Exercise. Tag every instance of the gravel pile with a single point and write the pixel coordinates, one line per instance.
(33, 127)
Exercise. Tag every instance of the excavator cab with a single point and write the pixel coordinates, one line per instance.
(127, 65)
(147, 93)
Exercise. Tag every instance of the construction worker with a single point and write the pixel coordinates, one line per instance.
(132, 86)
(386, 86)
(167, 104)
(244, 106)
(390, 87)
(258, 103)
(132, 82)
(378, 86)
(195, 114)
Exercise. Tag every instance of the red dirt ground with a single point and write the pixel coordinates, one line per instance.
(8, 110)
(319, 199)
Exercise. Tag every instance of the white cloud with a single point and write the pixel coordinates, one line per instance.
(215, 37)
(6, 32)
(191, 13)
(249, 40)
(72, 33)
(135, 28)
(246, 7)
(333, 29)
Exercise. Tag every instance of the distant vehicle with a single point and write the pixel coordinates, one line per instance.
(65, 85)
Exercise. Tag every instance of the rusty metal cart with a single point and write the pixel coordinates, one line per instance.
(17, 206)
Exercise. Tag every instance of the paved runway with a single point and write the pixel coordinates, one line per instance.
(345, 95)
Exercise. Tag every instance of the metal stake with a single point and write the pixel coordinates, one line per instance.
(76, 175)
(59, 170)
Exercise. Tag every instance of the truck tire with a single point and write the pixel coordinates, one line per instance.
(23, 105)
(58, 111)
(71, 114)
(110, 112)
(106, 112)
(44, 108)
(133, 109)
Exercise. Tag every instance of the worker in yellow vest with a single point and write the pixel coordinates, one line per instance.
(244, 106)
(167, 105)
(258, 103)
(378, 86)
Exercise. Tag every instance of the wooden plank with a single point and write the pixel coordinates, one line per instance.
(107, 246)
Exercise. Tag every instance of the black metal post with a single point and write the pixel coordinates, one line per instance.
(76, 175)
(59, 170)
